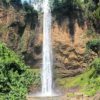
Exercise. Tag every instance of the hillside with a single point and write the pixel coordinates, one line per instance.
(75, 33)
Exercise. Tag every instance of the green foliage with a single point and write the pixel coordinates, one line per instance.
(90, 32)
(96, 13)
(88, 82)
(92, 13)
(80, 80)
(94, 45)
(25, 9)
(96, 64)
(64, 6)
(94, 78)
(15, 76)
(82, 9)
(70, 11)
(28, 8)
(7, 3)
(17, 2)
(31, 17)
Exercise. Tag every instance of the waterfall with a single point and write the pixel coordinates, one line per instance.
(47, 51)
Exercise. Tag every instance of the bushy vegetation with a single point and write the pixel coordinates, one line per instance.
(7, 3)
(70, 10)
(94, 45)
(93, 85)
(88, 82)
(66, 8)
(96, 65)
(31, 17)
(15, 76)
(92, 13)
(18, 5)
(82, 10)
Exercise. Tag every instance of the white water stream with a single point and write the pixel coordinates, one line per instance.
(47, 51)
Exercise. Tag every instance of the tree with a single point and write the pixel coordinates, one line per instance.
(71, 10)
(92, 13)
(15, 76)
(11, 3)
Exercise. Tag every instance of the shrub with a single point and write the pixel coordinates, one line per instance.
(94, 45)
(28, 8)
(93, 85)
(15, 76)
(97, 13)
(96, 65)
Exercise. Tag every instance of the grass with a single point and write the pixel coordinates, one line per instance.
(88, 85)
(79, 80)
(15, 76)
(70, 95)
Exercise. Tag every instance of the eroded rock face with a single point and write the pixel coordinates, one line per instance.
(70, 58)
(21, 34)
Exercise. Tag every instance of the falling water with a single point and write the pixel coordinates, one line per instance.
(47, 51)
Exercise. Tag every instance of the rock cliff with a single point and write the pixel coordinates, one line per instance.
(23, 34)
